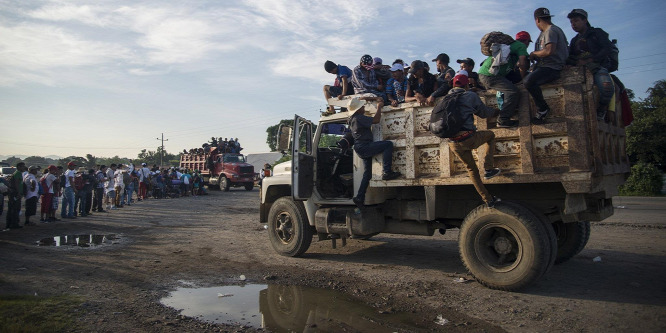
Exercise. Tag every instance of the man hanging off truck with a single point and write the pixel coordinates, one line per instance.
(365, 147)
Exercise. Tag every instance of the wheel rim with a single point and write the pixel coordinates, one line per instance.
(498, 247)
(223, 182)
(284, 227)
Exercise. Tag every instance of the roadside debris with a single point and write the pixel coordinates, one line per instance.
(460, 280)
(441, 320)
(597, 259)
(224, 295)
(242, 277)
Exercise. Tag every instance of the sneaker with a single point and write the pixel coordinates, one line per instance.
(507, 123)
(358, 202)
(113, 208)
(391, 175)
(493, 202)
(490, 173)
(540, 117)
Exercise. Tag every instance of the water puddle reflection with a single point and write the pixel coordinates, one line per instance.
(79, 240)
(281, 308)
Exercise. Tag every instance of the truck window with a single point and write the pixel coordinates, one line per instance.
(331, 134)
(234, 159)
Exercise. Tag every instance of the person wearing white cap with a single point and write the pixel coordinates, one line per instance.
(366, 148)
(396, 87)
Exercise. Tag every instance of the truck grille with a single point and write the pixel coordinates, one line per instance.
(247, 169)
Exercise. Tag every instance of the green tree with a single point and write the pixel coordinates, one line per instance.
(36, 160)
(646, 137)
(92, 161)
(13, 160)
(80, 161)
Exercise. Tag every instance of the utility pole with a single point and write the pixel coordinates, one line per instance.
(162, 151)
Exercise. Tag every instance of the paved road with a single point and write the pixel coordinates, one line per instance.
(639, 210)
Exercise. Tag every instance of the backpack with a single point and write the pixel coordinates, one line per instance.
(446, 120)
(494, 37)
(126, 178)
(614, 57)
(78, 182)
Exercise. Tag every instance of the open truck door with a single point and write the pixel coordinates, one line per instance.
(302, 162)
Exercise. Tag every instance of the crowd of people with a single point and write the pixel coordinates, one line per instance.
(217, 145)
(80, 191)
(508, 66)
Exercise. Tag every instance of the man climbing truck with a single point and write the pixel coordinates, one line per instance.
(556, 177)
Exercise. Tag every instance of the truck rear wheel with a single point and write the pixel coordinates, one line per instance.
(288, 227)
(506, 247)
(224, 183)
(249, 186)
(571, 239)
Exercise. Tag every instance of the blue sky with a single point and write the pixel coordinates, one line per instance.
(108, 77)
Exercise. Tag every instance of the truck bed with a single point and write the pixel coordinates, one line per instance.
(571, 148)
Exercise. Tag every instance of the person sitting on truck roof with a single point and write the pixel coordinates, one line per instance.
(550, 53)
(383, 72)
(592, 48)
(462, 144)
(421, 83)
(396, 87)
(365, 80)
(364, 146)
(342, 87)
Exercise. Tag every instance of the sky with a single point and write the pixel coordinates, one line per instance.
(109, 77)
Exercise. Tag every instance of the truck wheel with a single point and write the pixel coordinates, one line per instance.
(224, 183)
(288, 227)
(249, 186)
(571, 239)
(506, 247)
(287, 308)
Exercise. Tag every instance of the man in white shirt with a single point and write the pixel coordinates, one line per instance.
(110, 187)
(69, 193)
(47, 212)
(31, 195)
(119, 184)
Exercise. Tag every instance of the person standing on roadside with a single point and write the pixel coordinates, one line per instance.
(110, 187)
(144, 178)
(31, 195)
(14, 197)
(69, 196)
(48, 183)
(100, 178)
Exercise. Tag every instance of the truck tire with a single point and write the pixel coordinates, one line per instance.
(288, 227)
(224, 183)
(506, 247)
(249, 186)
(571, 239)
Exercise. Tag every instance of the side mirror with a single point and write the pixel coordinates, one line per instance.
(284, 137)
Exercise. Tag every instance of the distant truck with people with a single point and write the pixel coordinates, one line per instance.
(556, 176)
(224, 170)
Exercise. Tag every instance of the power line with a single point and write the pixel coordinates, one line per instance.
(162, 151)
(645, 56)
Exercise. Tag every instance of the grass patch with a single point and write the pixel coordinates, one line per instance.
(38, 314)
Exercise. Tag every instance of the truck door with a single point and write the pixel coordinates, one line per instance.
(302, 162)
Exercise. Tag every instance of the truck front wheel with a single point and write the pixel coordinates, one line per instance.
(571, 239)
(224, 183)
(288, 227)
(506, 247)
(249, 186)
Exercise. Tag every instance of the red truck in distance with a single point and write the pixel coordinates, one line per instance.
(224, 170)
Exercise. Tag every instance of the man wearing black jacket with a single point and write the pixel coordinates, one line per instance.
(591, 48)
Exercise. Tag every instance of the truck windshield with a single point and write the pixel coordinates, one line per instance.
(8, 170)
(234, 159)
(331, 134)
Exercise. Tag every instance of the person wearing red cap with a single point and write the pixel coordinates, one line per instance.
(499, 80)
(69, 194)
(468, 139)
(592, 48)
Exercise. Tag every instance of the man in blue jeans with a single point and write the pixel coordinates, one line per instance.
(365, 147)
(69, 193)
(592, 48)
(550, 53)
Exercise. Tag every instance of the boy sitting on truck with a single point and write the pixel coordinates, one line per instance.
(462, 144)
(365, 147)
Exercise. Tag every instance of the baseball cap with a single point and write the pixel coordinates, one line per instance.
(460, 80)
(52, 167)
(143, 164)
(577, 12)
(468, 61)
(542, 12)
(72, 163)
(33, 167)
(523, 35)
(416, 65)
(442, 57)
(377, 61)
(366, 59)
(397, 67)
(463, 72)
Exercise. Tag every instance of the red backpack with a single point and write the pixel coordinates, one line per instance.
(78, 182)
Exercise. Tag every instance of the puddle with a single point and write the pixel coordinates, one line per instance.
(279, 308)
(87, 240)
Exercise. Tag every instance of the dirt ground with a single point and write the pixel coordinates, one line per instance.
(212, 240)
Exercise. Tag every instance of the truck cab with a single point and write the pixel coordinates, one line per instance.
(556, 178)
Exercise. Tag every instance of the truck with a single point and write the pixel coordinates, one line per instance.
(224, 170)
(556, 178)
